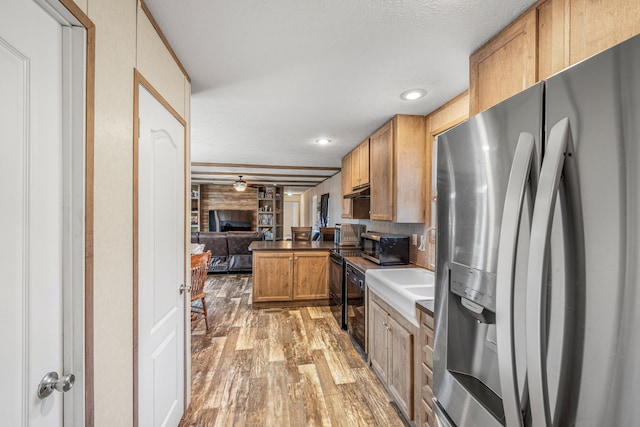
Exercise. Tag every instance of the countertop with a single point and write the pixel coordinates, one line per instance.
(426, 305)
(288, 245)
(364, 264)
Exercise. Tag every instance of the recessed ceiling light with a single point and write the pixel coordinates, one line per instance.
(323, 141)
(413, 94)
(289, 193)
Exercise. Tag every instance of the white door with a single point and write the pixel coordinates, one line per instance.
(291, 217)
(161, 253)
(31, 213)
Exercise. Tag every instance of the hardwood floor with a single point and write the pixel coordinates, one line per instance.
(278, 367)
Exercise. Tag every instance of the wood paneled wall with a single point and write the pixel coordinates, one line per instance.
(213, 196)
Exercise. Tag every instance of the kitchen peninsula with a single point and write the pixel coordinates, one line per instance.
(290, 273)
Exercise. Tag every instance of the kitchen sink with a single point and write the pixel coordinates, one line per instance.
(401, 288)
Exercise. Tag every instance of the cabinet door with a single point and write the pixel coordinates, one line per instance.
(346, 186)
(378, 353)
(600, 24)
(401, 368)
(355, 167)
(363, 161)
(381, 156)
(272, 276)
(311, 275)
(504, 66)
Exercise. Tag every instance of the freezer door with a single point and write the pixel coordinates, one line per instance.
(592, 256)
(474, 163)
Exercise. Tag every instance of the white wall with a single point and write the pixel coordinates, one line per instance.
(124, 40)
(333, 186)
(291, 214)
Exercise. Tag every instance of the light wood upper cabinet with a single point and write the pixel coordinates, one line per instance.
(596, 25)
(445, 117)
(547, 38)
(504, 66)
(360, 165)
(347, 211)
(272, 276)
(355, 167)
(398, 164)
(311, 275)
(409, 157)
(553, 40)
(381, 146)
(352, 208)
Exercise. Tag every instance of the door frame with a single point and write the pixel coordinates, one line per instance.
(140, 80)
(78, 192)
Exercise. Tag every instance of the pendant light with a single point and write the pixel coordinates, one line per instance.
(240, 185)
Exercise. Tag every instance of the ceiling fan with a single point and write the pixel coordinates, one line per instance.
(240, 184)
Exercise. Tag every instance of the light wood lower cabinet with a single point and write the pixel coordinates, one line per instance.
(272, 276)
(378, 349)
(424, 390)
(287, 276)
(310, 275)
(391, 352)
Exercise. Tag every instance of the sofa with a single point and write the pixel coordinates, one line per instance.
(229, 250)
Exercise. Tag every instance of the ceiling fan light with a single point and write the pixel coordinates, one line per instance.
(240, 184)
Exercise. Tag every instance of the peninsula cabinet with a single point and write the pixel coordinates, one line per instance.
(391, 352)
(272, 276)
(310, 275)
(398, 160)
(288, 276)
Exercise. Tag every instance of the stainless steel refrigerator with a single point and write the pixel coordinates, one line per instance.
(538, 277)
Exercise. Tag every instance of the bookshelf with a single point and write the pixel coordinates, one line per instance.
(195, 207)
(270, 212)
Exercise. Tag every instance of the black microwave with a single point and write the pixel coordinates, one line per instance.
(385, 249)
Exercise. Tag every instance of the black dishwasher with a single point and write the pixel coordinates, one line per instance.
(355, 296)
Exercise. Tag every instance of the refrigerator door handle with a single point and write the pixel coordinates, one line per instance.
(536, 316)
(513, 205)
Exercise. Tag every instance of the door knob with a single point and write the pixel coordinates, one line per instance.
(51, 382)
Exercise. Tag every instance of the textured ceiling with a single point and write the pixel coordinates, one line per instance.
(270, 77)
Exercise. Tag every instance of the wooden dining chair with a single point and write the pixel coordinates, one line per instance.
(199, 270)
(301, 234)
(327, 234)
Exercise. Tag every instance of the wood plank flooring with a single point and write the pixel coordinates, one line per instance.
(278, 367)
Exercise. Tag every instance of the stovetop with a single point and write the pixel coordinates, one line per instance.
(347, 252)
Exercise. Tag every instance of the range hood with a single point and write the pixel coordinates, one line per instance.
(360, 193)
